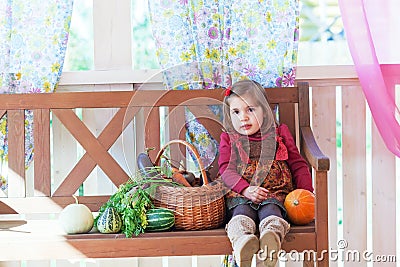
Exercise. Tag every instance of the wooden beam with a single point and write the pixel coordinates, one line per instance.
(152, 130)
(36, 240)
(86, 164)
(112, 35)
(2, 113)
(94, 148)
(41, 134)
(47, 205)
(140, 98)
(16, 153)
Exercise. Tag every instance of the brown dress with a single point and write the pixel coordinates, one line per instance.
(273, 175)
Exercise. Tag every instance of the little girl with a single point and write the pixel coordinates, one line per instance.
(260, 163)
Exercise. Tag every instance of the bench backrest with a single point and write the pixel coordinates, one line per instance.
(153, 105)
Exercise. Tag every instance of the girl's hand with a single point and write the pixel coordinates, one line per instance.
(255, 193)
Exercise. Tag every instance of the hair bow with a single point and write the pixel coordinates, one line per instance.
(228, 91)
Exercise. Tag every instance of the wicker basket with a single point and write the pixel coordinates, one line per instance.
(196, 208)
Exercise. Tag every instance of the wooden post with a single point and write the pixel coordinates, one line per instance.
(354, 172)
(324, 128)
(42, 179)
(16, 153)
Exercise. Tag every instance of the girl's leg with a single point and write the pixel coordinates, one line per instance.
(269, 210)
(273, 229)
(241, 232)
(245, 210)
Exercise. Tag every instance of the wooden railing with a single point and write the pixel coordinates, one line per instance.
(362, 177)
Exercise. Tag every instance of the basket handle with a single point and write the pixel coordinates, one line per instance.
(192, 149)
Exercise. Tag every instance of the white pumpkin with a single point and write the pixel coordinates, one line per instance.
(76, 218)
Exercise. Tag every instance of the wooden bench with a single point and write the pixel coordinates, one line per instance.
(29, 229)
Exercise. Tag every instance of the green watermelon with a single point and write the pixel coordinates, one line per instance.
(159, 219)
(109, 221)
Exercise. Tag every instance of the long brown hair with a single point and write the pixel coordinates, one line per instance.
(250, 89)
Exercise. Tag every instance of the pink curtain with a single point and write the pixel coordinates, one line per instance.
(373, 35)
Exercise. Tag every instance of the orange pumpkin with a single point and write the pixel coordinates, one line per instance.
(300, 206)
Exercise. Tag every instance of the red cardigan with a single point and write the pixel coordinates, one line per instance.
(297, 164)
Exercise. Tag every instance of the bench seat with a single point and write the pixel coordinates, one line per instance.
(37, 239)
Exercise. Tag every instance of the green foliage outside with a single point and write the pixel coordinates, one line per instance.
(80, 51)
(143, 45)
(319, 21)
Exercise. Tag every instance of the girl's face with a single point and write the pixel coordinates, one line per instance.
(246, 114)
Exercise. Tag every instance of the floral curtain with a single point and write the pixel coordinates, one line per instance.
(373, 35)
(208, 44)
(33, 41)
